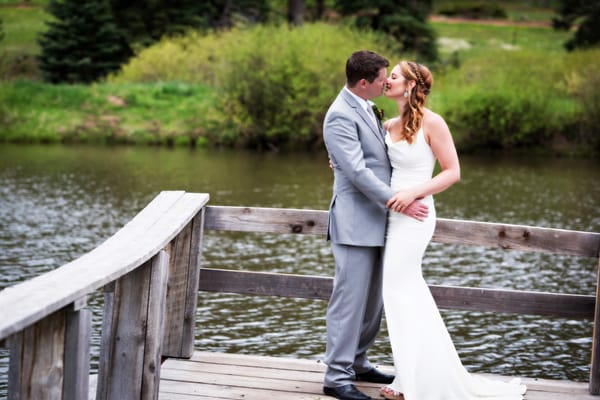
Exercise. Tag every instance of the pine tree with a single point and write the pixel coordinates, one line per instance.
(144, 22)
(82, 43)
(405, 20)
(588, 12)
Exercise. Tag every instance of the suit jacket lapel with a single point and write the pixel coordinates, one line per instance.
(363, 114)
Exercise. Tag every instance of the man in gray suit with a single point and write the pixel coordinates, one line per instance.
(354, 138)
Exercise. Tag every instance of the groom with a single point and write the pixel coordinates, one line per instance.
(355, 142)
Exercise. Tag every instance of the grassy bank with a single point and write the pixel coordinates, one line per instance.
(504, 86)
(152, 113)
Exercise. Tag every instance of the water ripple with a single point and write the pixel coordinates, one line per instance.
(58, 203)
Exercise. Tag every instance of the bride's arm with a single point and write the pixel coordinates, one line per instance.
(439, 138)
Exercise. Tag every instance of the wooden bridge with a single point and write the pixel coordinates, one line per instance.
(151, 272)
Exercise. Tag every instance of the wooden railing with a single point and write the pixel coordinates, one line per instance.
(150, 272)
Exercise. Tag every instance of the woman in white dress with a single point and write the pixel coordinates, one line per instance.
(426, 362)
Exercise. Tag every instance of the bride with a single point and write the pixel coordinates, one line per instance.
(426, 362)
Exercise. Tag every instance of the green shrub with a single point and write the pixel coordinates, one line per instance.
(18, 63)
(508, 100)
(274, 83)
(583, 83)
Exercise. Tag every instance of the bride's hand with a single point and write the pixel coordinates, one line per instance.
(404, 202)
(416, 210)
(400, 201)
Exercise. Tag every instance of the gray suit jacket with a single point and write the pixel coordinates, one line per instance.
(362, 172)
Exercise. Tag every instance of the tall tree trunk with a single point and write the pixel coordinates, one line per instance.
(225, 20)
(296, 12)
(320, 9)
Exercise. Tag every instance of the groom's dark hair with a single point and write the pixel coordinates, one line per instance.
(364, 64)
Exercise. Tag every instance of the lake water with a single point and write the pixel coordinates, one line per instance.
(58, 202)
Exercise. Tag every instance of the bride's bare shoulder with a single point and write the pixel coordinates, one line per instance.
(390, 122)
(433, 121)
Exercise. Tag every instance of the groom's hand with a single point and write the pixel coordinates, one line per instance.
(417, 210)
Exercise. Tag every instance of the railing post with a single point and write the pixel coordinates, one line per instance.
(132, 329)
(595, 363)
(36, 360)
(51, 358)
(182, 292)
(77, 351)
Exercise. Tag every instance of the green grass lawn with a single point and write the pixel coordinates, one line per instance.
(516, 10)
(21, 26)
(125, 113)
(474, 39)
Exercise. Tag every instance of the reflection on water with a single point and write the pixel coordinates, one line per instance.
(57, 203)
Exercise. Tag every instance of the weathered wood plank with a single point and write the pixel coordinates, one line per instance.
(134, 340)
(36, 360)
(504, 236)
(179, 252)
(514, 301)
(518, 237)
(250, 371)
(274, 220)
(595, 363)
(265, 283)
(106, 349)
(235, 376)
(140, 239)
(459, 298)
(191, 296)
(155, 317)
(295, 364)
(77, 354)
(182, 295)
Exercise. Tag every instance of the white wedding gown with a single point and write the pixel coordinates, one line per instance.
(426, 362)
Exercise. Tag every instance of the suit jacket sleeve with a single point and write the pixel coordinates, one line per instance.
(341, 135)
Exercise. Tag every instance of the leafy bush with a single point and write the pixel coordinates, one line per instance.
(274, 83)
(521, 101)
(583, 83)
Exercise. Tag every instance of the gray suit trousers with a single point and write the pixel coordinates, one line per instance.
(354, 312)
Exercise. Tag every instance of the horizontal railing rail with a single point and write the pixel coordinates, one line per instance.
(471, 233)
(449, 231)
(449, 297)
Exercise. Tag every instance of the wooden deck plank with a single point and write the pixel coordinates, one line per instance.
(235, 376)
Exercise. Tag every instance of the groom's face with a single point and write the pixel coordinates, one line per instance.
(376, 88)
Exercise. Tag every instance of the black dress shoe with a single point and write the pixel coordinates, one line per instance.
(373, 375)
(346, 392)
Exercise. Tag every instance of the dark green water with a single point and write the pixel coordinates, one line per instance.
(57, 203)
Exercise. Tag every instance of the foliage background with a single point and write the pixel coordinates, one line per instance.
(509, 85)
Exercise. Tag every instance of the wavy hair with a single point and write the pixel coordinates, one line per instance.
(412, 115)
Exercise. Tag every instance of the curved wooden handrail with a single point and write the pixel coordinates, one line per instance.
(140, 239)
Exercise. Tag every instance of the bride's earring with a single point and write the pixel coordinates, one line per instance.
(405, 93)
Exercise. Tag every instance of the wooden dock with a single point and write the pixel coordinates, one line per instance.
(151, 271)
(234, 377)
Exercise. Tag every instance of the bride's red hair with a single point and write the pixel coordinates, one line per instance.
(412, 115)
